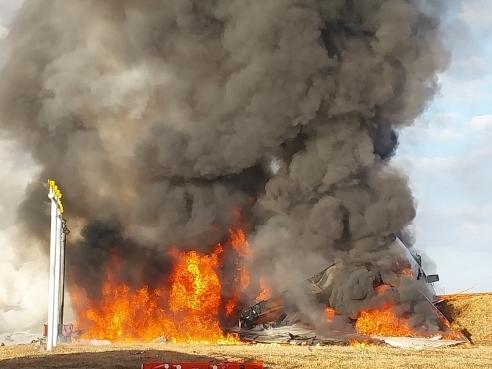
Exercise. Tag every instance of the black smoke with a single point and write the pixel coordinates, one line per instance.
(161, 118)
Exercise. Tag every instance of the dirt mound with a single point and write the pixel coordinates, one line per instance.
(472, 312)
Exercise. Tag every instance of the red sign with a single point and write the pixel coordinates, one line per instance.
(204, 365)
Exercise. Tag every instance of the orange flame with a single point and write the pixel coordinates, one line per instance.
(384, 321)
(265, 290)
(239, 242)
(404, 269)
(192, 314)
(195, 298)
(242, 277)
(407, 272)
(330, 313)
(186, 309)
(122, 314)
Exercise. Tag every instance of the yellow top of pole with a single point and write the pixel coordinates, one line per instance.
(57, 193)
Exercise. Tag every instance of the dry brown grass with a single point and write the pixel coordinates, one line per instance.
(473, 312)
(278, 357)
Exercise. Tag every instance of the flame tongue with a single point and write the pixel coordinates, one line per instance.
(384, 321)
(265, 290)
(195, 298)
(195, 285)
(330, 313)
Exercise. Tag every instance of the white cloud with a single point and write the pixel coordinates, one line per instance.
(472, 65)
(442, 128)
(465, 92)
(481, 122)
(465, 228)
(446, 134)
(479, 215)
(466, 173)
(436, 164)
(477, 13)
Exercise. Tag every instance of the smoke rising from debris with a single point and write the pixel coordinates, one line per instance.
(160, 119)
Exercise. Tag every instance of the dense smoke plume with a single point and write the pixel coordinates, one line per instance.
(161, 118)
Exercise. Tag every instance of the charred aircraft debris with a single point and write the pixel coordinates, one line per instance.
(281, 310)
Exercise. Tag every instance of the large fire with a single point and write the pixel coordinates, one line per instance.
(384, 321)
(191, 304)
(187, 308)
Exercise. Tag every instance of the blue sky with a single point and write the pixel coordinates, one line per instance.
(447, 155)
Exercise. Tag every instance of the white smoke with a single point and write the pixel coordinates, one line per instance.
(23, 277)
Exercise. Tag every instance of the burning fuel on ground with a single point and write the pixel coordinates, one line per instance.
(219, 154)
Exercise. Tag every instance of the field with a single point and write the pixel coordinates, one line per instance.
(288, 357)
(473, 313)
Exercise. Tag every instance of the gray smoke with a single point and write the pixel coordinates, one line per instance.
(164, 117)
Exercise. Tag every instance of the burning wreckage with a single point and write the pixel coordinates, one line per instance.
(276, 310)
(287, 112)
(277, 319)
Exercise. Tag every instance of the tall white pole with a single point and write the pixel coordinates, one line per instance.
(56, 244)
(52, 296)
